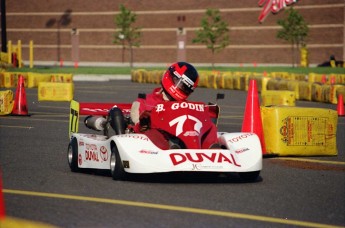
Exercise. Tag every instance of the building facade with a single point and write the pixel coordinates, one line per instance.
(83, 30)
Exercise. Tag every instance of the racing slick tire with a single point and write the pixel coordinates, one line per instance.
(249, 176)
(72, 155)
(116, 167)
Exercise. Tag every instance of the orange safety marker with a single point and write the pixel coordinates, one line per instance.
(340, 105)
(20, 107)
(252, 121)
(323, 79)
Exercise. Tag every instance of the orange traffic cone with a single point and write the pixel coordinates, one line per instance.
(19, 107)
(340, 106)
(252, 121)
(2, 202)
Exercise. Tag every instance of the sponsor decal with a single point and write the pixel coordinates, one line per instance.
(91, 146)
(191, 133)
(148, 152)
(182, 105)
(134, 136)
(273, 6)
(160, 108)
(80, 160)
(239, 138)
(242, 150)
(199, 167)
(91, 156)
(95, 109)
(179, 158)
(104, 153)
(91, 153)
(179, 122)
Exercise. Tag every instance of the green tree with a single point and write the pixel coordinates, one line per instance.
(126, 35)
(294, 30)
(214, 32)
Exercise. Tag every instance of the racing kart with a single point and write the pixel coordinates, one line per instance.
(190, 125)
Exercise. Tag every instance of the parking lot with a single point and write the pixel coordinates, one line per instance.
(39, 186)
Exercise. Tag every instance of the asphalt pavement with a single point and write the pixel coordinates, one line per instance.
(39, 186)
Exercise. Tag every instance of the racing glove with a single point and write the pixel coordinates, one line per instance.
(144, 120)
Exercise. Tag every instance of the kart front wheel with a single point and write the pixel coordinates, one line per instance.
(116, 166)
(72, 155)
(249, 176)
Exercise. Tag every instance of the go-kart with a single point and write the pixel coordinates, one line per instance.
(189, 126)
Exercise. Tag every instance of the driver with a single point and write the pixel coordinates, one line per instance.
(178, 82)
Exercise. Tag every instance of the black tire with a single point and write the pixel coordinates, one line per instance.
(249, 176)
(116, 166)
(72, 155)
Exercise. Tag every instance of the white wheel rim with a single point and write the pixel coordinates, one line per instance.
(112, 162)
(70, 154)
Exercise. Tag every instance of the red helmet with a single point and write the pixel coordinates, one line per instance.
(180, 80)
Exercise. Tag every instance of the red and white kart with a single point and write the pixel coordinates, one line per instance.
(189, 123)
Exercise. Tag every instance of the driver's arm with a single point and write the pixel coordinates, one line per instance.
(135, 112)
(141, 120)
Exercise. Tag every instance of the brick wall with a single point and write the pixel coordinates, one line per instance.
(250, 41)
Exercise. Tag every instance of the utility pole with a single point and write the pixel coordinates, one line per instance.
(3, 27)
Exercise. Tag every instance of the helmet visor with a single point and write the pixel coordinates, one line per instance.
(183, 83)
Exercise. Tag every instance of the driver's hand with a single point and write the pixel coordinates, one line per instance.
(144, 120)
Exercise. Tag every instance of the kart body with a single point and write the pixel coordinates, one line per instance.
(191, 124)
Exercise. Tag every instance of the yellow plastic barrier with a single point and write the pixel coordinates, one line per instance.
(320, 78)
(330, 93)
(294, 86)
(55, 91)
(294, 131)
(244, 78)
(203, 79)
(280, 75)
(278, 97)
(316, 92)
(135, 76)
(11, 79)
(341, 91)
(61, 78)
(238, 81)
(265, 81)
(4, 57)
(35, 78)
(218, 82)
(2, 79)
(272, 84)
(6, 102)
(157, 76)
(228, 80)
(282, 84)
(305, 87)
(305, 90)
(212, 80)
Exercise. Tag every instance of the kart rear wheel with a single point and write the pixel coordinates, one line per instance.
(249, 176)
(116, 166)
(72, 155)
